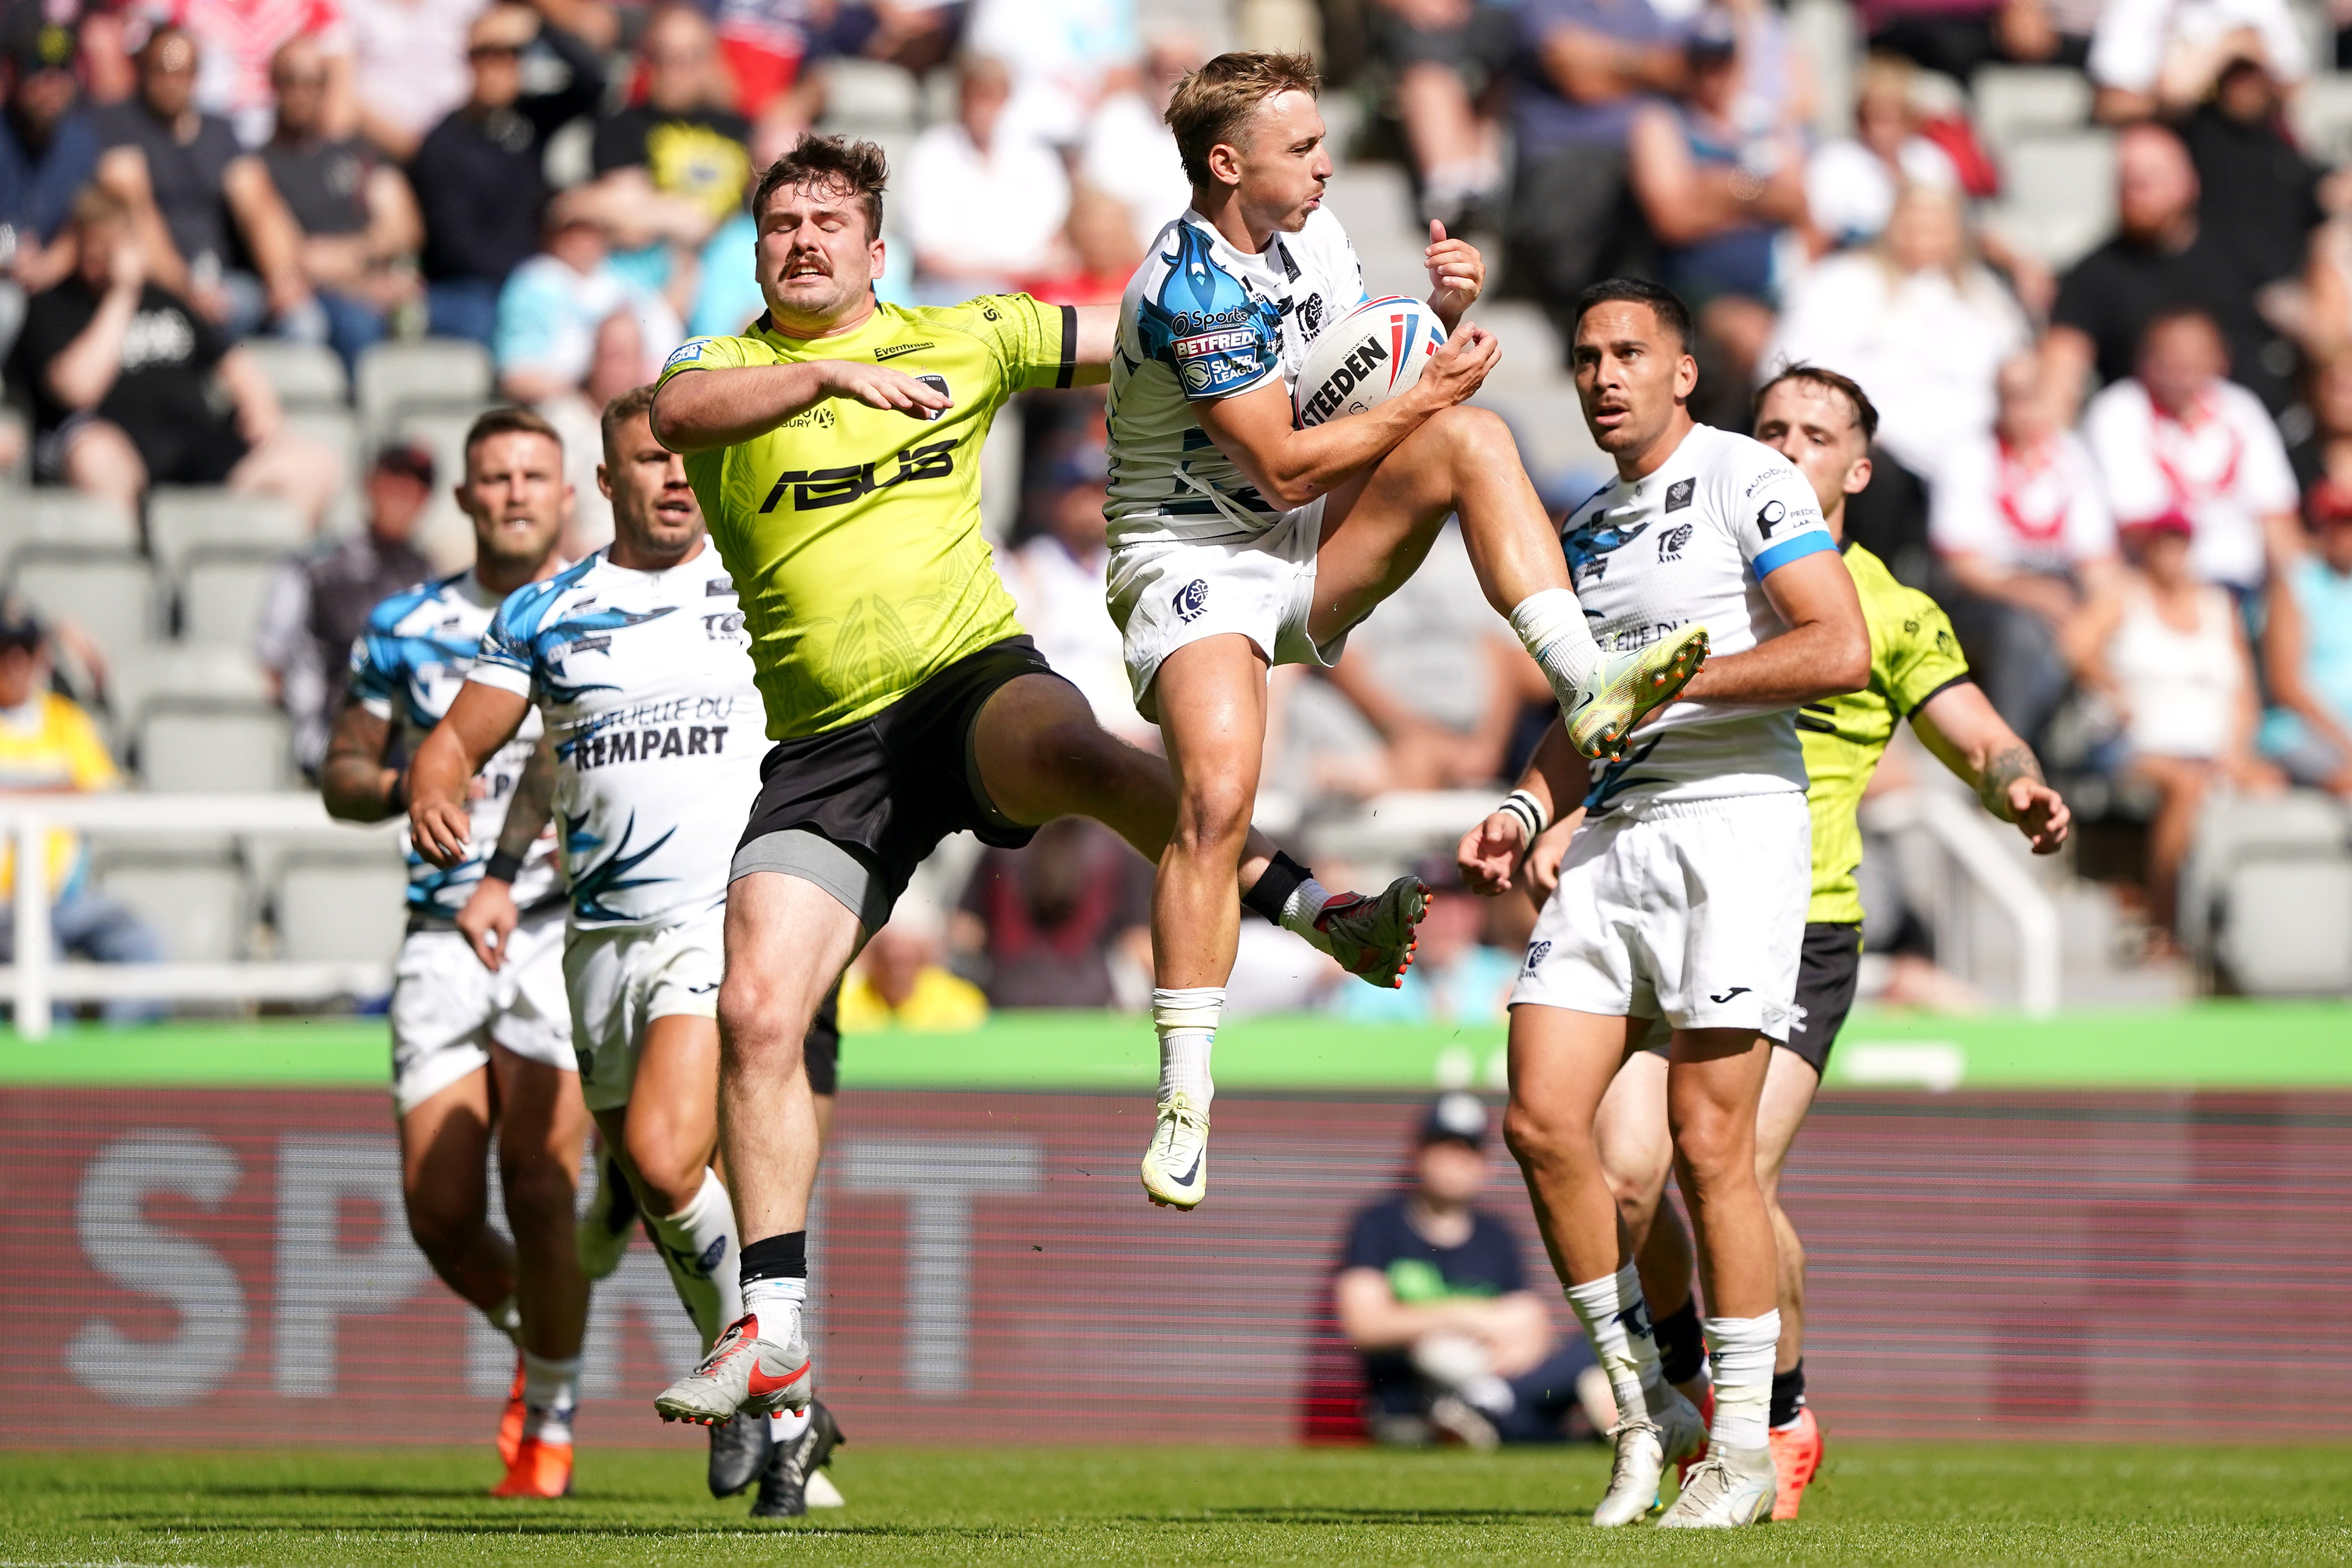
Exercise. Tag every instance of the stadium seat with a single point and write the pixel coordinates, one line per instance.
(153, 670)
(63, 517)
(432, 373)
(2014, 101)
(2266, 895)
(2058, 196)
(303, 374)
(2321, 113)
(20, 471)
(188, 746)
(866, 97)
(443, 532)
(196, 901)
(222, 591)
(110, 593)
(335, 428)
(1375, 201)
(336, 906)
(181, 519)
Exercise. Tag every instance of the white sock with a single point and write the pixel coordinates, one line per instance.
(786, 1426)
(1617, 1321)
(1551, 625)
(698, 1244)
(1187, 1021)
(506, 1317)
(550, 1388)
(1742, 1351)
(777, 1303)
(1299, 910)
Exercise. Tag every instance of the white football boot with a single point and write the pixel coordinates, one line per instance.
(1724, 1490)
(1644, 1448)
(1176, 1165)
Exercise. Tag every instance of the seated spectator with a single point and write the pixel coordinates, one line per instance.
(2162, 256)
(49, 151)
(354, 213)
(122, 375)
(669, 171)
(1064, 56)
(2179, 440)
(1452, 61)
(1433, 1293)
(1923, 323)
(899, 982)
(2024, 546)
(213, 228)
(1098, 251)
(554, 304)
(2163, 56)
(49, 746)
(2307, 653)
(2170, 653)
(1455, 978)
(477, 174)
(319, 603)
(238, 43)
(1955, 36)
(1064, 922)
(1718, 201)
(1851, 183)
(1583, 68)
(2257, 192)
(1057, 581)
(1130, 154)
(408, 67)
(984, 202)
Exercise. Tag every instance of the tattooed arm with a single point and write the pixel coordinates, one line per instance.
(1961, 728)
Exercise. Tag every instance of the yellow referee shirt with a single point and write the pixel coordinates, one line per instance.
(853, 534)
(1913, 655)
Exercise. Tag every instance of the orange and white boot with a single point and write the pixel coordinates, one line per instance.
(541, 1469)
(511, 1419)
(547, 1392)
(1797, 1450)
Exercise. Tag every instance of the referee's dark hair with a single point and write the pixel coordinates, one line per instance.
(833, 164)
(1865, 413)
(1664, 302)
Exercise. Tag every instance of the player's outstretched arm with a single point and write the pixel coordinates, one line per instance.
(1098, 340)
(481, 719)
(701, 409)
(352, 780)
(1291, 467)
(491, 916)
(1825, 652)
(1554, 785)
(1970, 738)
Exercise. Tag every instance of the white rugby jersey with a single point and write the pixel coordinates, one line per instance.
(407, 668)
(1693, 542)
(1202, 321)
(645, 680)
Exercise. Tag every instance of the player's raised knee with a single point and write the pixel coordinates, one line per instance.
(1214, 811)
(1476, 437)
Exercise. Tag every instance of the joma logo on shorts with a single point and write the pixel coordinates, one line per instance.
(1192, 599)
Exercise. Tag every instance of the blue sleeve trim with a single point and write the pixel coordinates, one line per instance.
(1812, 541)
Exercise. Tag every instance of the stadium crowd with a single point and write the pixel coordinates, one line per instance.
(2128, 476)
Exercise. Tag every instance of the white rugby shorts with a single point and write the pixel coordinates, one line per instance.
(1167, 593)
(620, 980)
(1692, 909)
(446, 1008)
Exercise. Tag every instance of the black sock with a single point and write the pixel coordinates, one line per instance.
(1787, 1396)
(782, 1257)
(1682, 1345)
(1273, 889)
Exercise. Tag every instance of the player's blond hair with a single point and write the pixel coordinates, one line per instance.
(1213, 104)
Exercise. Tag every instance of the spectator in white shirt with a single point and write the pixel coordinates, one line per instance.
(1065, 56)
(2180, 439)
(985, 203)
(2024, 548)
(1851, 183)
(408, 62)
(1056, 579)
(1131, 154)
(2152, 57)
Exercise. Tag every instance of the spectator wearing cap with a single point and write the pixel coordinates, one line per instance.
(2168, 653)
(1063, 922)
(123, 375)
(2024, 546)
(353, 210)
(214, 230)
(49, 746)
(2179, 439)
(985, 200)
(49, 151)
(2307, 653)
(319, 603)
(2163, 255)
(477, 175)
(1433, 1293)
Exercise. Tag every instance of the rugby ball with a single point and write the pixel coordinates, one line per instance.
(1365, 358)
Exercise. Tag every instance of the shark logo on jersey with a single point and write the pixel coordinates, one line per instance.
(522, 639)
(1218, 335)
(591, 885)
(1589, 547)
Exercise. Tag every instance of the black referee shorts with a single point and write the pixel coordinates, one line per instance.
(1828, 970)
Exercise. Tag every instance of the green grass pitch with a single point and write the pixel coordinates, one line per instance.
(1877, 1503)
